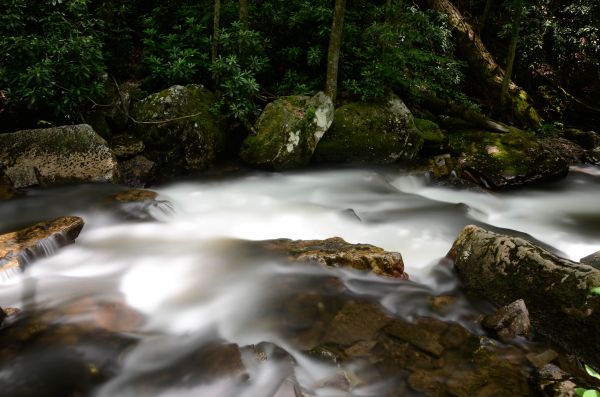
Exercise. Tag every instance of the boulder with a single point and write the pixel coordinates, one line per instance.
(288, 131)
(126, 146)
(138, 171)
(592, 260)
(178, 128)
(336, 252)
(506, 160)
(434, 139)
(19, 248)
(558, 292)
(379, 133)
(58, 155)
(510, 321)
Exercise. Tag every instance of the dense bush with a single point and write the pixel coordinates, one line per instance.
(51, 55)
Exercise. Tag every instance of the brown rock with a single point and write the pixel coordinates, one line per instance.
(335, 252)
(592, 260)
(125, 146)
(138, 171)
(356, 322)
(20, 247)
(137, 204)
(510, 321)
(418, 336)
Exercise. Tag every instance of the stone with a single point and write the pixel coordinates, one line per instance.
(569, 151)
(557, 291)
(434, 139)
(19, 248)
(58, 155)
(540, 360)
(510, 321)
(418, 336)
(335, 252)
(288, 131)
(137, 205)
(138, 171)
(126, 146)
(380, 133)
(178, 128)
(592, 260)
(505, 160)
(585, 139)
(356, 322)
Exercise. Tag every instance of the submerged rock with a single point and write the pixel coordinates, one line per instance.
(510, 321)
(557, 291)
(336, 252)
(288, 131)
(379, 133)
(51, 156)
(137, 204)
(19, 248)
(178, 128)
(506, 160)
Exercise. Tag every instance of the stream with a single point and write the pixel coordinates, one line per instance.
(191, 276)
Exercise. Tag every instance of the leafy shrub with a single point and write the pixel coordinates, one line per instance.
(51, 56)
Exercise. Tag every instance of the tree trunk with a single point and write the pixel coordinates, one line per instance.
(244, 13)
(484, 69)
(487, 10)
(333, 55)
(512, 51)
(216, 22)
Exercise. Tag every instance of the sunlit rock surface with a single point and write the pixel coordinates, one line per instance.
(19, 248)
(335, 252)
(558, 292)
(288, 132)
(58, 155)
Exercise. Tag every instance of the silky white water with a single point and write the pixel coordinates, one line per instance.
(189, 275)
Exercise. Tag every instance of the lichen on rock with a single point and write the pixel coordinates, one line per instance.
(288, 131)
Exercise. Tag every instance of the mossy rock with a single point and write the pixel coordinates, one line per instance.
(288, 132)
(434, 138)
(178, 129)
(379, 133)
(58, 155)
(506, 160)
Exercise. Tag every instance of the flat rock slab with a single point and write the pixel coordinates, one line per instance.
(336, 252)
(557, 291)
(20, 247)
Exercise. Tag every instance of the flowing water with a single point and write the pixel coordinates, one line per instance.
(191, 276)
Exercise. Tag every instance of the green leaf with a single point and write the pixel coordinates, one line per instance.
(595, 291)
(579, 391)
(591, 393)
(591, 372)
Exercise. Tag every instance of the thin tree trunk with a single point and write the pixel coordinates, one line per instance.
(333, 55)
(512, 51)
(216, 22)
(244, 13)
(487, 10)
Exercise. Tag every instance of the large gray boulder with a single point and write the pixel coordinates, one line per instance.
(559, 293)
(58, 155)
(506, 160)
(178, 128)
(288, 131)
(379, 133)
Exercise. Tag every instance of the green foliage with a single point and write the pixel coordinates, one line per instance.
(51, 55)
(595, 291)
(175, 53)
(581, 392)
(412, 52)
(242, 57)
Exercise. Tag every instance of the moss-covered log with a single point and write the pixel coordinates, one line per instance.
(557, 292)
(484, 68)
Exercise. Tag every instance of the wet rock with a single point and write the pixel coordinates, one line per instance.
(126, 146)
(557, 291)
(442, 165)
(510, 321)
(592, 260)
(540, 360)
(138, 171)
(570, 152)
(288, 131)
(418, 336)
(585, 139)
(505, 160)
(19, 248)
(552, 381)
(180, 132)
(335, 252)
(442, 303)
(51, 156)
(138, 205)
(379, 133)
(355, 322)
(434, 139)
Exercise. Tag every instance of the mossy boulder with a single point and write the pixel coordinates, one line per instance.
(51, 156)
(558, 292)
(288, 131)
(506, 160)
(380, 133)
(434, 139)
(178, 128)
